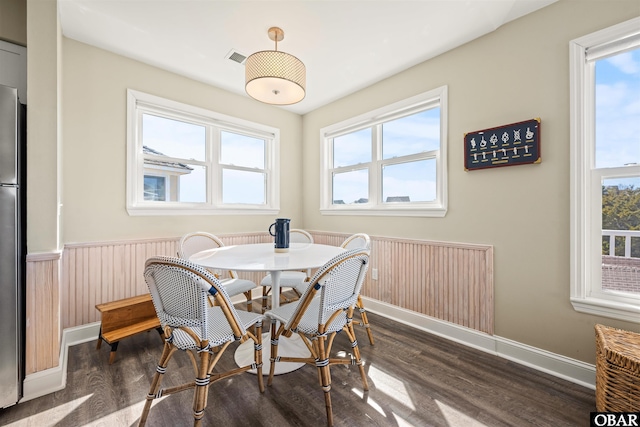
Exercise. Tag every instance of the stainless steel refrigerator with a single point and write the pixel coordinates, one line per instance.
(12, 245)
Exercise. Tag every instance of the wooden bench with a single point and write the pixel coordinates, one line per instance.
(124, 318)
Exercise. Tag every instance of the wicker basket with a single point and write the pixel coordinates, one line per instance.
(617, 370)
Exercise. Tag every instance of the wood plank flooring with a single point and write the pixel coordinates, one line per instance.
(415, 379)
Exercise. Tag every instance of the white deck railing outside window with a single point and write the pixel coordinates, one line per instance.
(621, 273)
(627, 234)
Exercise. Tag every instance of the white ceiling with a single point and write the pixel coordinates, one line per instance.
(345, 45)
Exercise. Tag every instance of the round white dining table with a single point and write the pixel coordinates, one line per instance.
(263, 257)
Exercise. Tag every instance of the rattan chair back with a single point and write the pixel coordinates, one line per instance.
(179, 291)
(358, 240)
(325, 308)
(198, 241)
(192, 243)
(195, 242)
(338, 283)
(297, 235)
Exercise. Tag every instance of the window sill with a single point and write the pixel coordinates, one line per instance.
(605, 308)
(434, 213)
(139, 211)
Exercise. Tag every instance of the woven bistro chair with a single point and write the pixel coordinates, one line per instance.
(179, 290)
(296, 280)
(325, 309)
(360, 240)
(193, 243)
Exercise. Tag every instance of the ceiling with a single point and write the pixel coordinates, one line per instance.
(345, 45)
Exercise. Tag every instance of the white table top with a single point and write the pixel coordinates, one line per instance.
(262, 257)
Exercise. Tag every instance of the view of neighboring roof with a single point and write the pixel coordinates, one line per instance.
(147, 161)
(398, 199)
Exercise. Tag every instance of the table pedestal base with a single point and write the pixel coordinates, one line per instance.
(292, 347)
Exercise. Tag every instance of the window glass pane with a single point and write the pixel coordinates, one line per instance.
(242, 150)
(618, 110)
(409, 182)
(243, 187)
(192, 186)
(352, 148)
(351, 187)
(173, 138)
(154, 188)
(621, 234)
(411, 134)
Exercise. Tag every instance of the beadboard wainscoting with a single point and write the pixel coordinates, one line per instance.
(42, 306)
(99, 272)
(447, 281)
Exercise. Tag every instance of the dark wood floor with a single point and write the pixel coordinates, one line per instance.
(415, 379)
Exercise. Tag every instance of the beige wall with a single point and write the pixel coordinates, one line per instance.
(13, 21)
(94, 147)
(518, 72)
(43, 127)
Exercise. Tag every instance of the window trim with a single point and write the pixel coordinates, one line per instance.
(586, 295)
(438, 208)
(135, 160)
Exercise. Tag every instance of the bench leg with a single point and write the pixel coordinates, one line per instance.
(161, 332)
(99, 343)
(112, 355)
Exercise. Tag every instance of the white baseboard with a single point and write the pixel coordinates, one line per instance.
(584, 374)
(557, 365)
(54, 379)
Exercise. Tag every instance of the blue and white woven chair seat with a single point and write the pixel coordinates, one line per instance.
(308, 323)
(219, 331)
(289, 279)
(237, 286)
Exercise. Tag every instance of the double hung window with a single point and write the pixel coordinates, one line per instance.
(605, 172)
(184, 160)
(391, 161)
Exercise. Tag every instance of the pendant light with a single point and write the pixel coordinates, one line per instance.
(275, 77)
